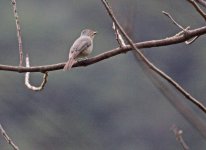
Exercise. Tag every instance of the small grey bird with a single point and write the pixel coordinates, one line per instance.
(82, 47)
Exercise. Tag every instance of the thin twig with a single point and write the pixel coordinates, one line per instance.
(18, 29)
(7, 138)
(27, 82)
(178, 133)
(190, 41)
(119, 38)
(177, 24)
(149, 64)
(202, 2)
(197, 7)
(181, 32)
(184, 30)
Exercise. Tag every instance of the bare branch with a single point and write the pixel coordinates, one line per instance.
(190, 41)
(149, 64)
(7, 138)
(119, 38)
(27, 75)
(202, 2)
(197, 7)
(181, 32)
(187, 112)
(184, 30)
(178, 133)
(170, 17)
(110, 53)
(18, 29)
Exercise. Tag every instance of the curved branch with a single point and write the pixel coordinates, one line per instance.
(146, 44)
(27, 76)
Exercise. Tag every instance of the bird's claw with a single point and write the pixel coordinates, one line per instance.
(81, 59)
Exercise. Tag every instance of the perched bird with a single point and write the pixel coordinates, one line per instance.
(82, 47)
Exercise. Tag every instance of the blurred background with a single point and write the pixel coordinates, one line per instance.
(110, 105)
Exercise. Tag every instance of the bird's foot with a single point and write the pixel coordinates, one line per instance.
(81, 59)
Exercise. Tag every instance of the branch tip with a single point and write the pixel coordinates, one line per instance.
(178, 134)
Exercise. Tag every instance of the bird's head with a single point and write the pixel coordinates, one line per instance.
(88, 32)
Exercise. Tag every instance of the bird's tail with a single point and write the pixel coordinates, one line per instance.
(69, 64)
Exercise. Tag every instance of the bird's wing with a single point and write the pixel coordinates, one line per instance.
(80, 45)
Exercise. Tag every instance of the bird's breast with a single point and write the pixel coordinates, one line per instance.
(86, 52)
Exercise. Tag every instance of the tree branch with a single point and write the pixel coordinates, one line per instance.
(27, 76)
(178, 133)
(184, 30)
(110, 53)
(173, 20)
(7, 138)
(144, 60)
(202, 2)
(18, 30)
(118, 36)
(197, 7)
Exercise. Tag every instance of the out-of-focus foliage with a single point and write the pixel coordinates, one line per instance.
(110, 105)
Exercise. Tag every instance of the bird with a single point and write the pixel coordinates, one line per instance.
(82, 47)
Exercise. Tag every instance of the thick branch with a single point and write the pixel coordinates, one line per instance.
(147, 44)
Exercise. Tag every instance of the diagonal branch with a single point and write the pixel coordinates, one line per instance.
(149, 64)
(197, 7)
(202, 2)
(7, 138)
(195, 120)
